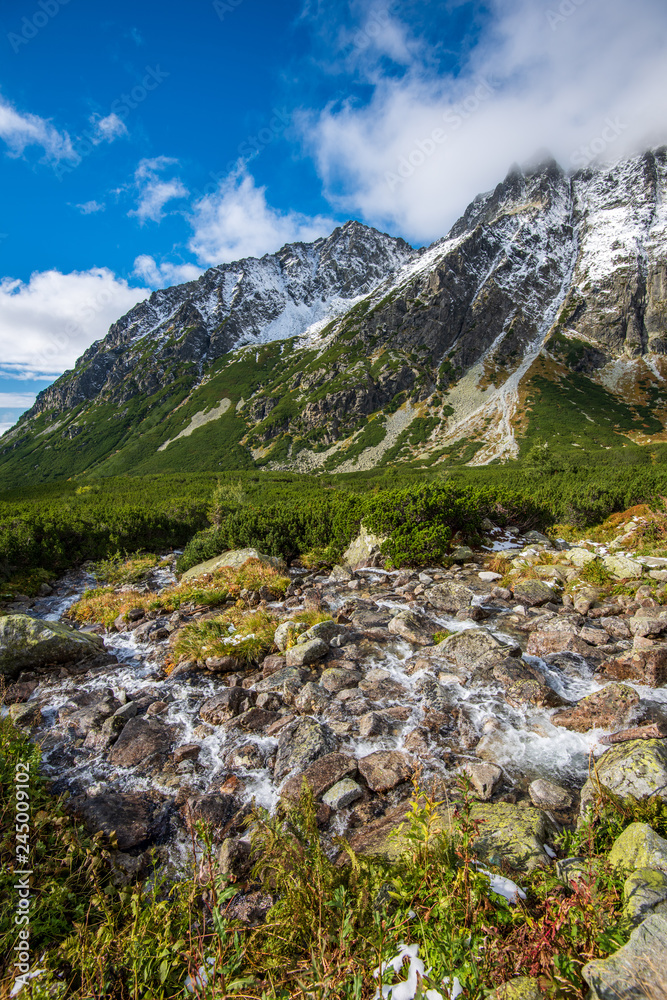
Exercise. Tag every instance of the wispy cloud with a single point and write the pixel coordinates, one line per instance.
(525, 82)
(108, 128)
(237, 221)
(90, 207)
(19, 130)
(165, 273)
(154, 192)
(47, 322)
(16, 400)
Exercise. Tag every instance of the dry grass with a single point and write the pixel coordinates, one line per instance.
(104, 604)
(247, 635)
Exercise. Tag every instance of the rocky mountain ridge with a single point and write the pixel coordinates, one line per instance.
(541, 316)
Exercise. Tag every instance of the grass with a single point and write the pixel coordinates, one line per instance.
(119, 569)
(334, 920)
(105, 604)
(245, 635)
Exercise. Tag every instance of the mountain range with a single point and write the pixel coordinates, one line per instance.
(541, 318)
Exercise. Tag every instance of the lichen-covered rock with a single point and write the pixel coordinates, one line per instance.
(511, 833)
(579, 557)
(609, 708)
(449, 596)
(325, 631)
(638, 970)
(223, 706)
(639, 846)
(287, 633)
(649, 622)
(385, 769)
(336, 679)
(140, 741)
(365, 550)
(637, 768)
(300, 743)
(342, 794)
(645, 892)
(546, 642)
(521, 988)
(545, 794)
(413, 627)
(233, 559)
(472, 651)
(320, 776)
(645, 666)
(623, 568)
(484, 778)
(27, 642)
(533, 592)
(305, 653)
(287, 681)
(524, 684)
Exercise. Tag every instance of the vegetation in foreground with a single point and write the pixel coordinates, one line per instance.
(47, 529)
(332, 924)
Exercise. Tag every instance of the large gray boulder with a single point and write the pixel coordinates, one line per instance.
(26, 643)
(636, 768)
(300, 743)
(638, 970)
(234, 559)
(365, 550)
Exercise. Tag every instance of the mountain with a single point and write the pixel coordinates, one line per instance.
(541, 316)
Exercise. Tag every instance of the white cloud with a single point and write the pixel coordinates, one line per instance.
(107, 129)
(49, 321)
(19, 130)
(533, 79)
(154, 192)
(166, 273)
(90, 207)
(16, 400)
(236, 221)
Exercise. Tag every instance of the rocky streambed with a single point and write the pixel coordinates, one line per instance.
(415, 676)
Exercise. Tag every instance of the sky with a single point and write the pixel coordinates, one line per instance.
(142, 142)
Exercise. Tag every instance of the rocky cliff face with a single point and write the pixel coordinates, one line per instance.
(357, 350)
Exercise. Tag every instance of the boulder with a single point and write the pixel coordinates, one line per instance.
(305, 653)
(532, 593)
(234, 859)
(638, 970)
(649, 622)
(141, 740)
(623, 568)
(233, 559)
(342, 794)
(215, 809)
(27, 642)
(286, 681)
(135, 817)
(645, 892)
(449, 596)
(385, 769)
(321, 775)
(637, 768)
(521, 988)
(609, 708)
(511, 833)
(223, 706)
(639, 846)
(646, 666)
(545, 794)
(300, 743)
(326, 631)
(472, 651)
(524, 684)
(336, 679)
(414, 627)
(484, 778)
(546, 642)
(311, 698)
(461, 554)
(365, 550)
(579, 557)
(287, 633)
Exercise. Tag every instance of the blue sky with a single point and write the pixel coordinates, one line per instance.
(143, 142)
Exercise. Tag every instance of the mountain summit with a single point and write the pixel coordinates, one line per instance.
(542, 315)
